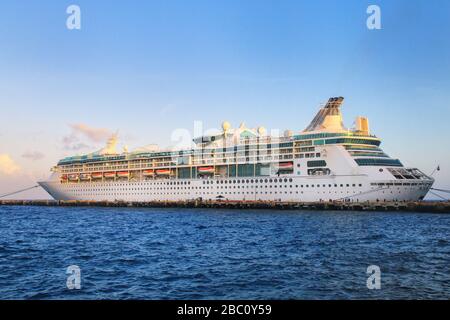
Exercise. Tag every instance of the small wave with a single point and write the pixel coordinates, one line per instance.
(375, 237)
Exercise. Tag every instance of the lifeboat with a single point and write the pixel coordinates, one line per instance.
(97, 175)
(109, 174)
(73, 177)
(163, 172)
(148, 173)
(123, 174)
(64, 177)
(206, 170)
(85, 176)
(286, 166)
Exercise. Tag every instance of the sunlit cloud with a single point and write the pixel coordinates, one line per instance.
(8, 165)
(93, 134)
(83, 136)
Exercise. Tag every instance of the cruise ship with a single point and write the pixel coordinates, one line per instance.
(324, 162)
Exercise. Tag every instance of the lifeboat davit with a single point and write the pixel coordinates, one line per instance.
(286, 165)
(206, 170)
(85, 176)
(148, 173)
(97, 175)
(73, 177)
(109, 174)
(163, 172)
(123, 174)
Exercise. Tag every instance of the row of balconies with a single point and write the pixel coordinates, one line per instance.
(195, 161)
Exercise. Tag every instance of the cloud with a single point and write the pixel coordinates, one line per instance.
(33, 155)
(68, 140)
(72, 142)
(93, 134)
(77, 146)
(81, 131)
(7, 165)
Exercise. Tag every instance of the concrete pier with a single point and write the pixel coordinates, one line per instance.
(422, 206)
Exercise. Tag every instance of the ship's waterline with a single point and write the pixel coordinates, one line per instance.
(324, 162)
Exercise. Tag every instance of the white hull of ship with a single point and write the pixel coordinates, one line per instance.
(291, 189)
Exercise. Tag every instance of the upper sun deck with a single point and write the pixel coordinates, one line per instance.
(326, 128)
(268, 142)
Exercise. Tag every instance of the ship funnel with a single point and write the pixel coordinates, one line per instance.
(329, 117)
(362, 125)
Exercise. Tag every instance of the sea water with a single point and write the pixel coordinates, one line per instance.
(147, 253)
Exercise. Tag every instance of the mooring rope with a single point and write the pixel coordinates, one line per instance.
(19, 191)
(441, 190)
(437, 195)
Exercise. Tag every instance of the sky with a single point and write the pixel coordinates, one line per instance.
(146, 68)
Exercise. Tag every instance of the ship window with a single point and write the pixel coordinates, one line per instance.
(317, 163)
(379, 162)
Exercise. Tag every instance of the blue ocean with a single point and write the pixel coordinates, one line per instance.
(147, 253)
